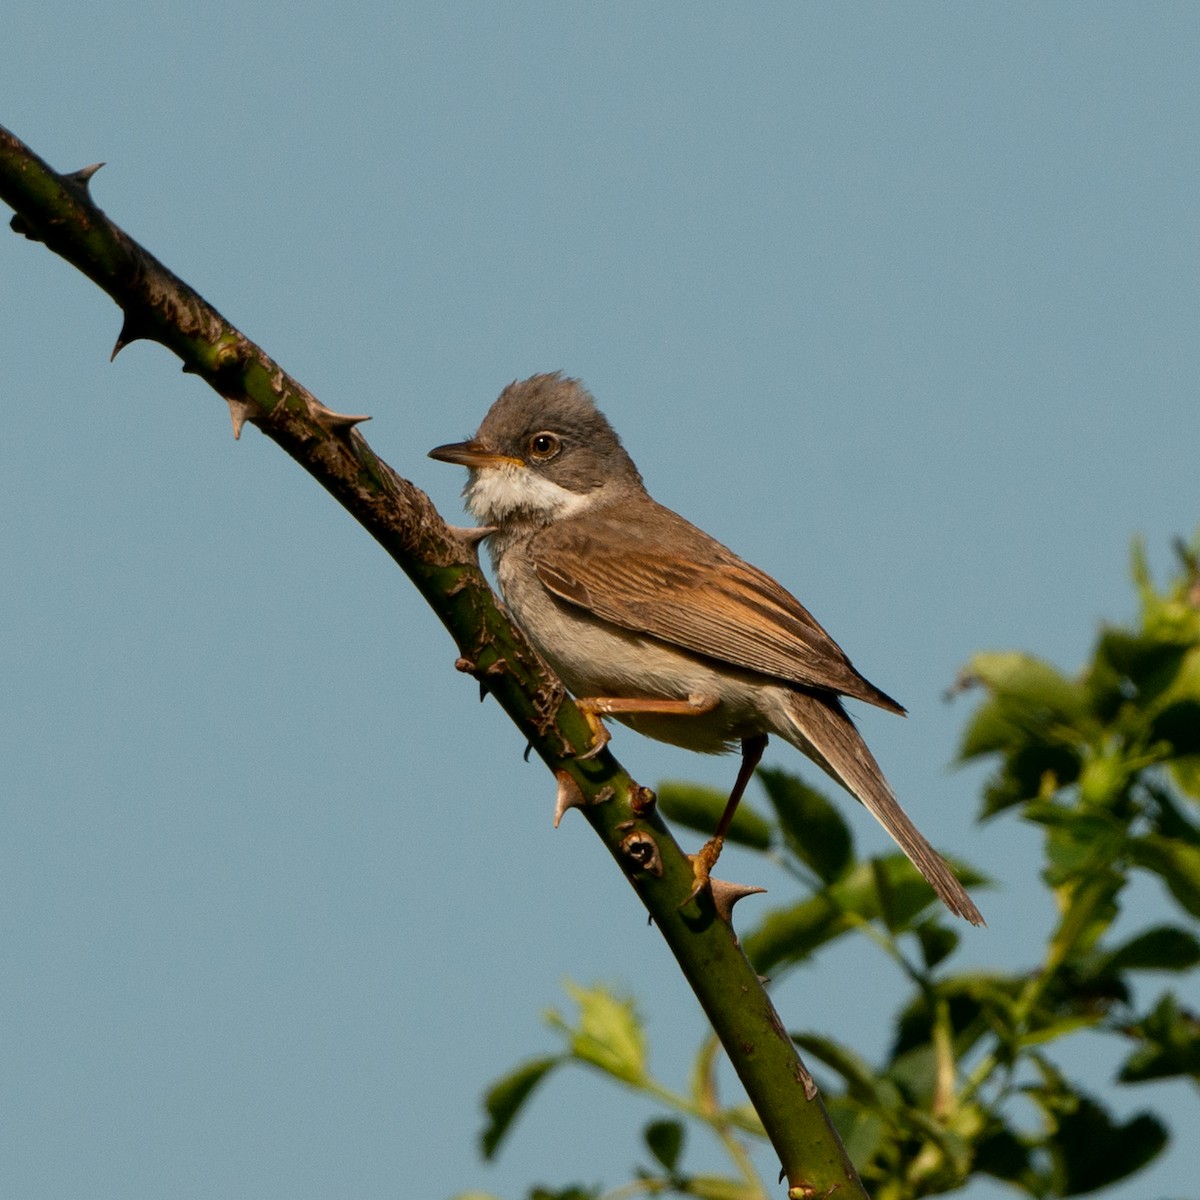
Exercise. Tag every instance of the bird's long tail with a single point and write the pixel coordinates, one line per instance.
(826, 734)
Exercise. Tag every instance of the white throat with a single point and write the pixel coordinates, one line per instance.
(496, 493)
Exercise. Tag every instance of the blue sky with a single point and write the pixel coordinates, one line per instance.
(898, 301)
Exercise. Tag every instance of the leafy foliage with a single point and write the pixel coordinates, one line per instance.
(1107, 766)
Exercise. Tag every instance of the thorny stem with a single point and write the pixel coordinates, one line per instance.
(58, 210)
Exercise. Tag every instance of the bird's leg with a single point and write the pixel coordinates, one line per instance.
(703, 863)
(594, 707)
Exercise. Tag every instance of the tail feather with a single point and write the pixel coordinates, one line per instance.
(821, 729)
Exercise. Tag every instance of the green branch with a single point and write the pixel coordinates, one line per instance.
(59, 211)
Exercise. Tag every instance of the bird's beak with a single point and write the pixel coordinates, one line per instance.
(472, 454)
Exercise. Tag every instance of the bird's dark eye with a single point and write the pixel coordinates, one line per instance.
(543, 446)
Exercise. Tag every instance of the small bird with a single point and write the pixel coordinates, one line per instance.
(649, 620)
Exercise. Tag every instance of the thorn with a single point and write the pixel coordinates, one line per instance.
(474, 535)
(239, 413)
(528, 749)
(725, 895)
(703, 862)
(339, 424)
(129, 333)
(84, 174)
(569, 796)
(483, 690)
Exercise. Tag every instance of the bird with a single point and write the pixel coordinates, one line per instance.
(650, 621)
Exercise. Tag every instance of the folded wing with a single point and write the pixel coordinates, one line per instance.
(702, 598)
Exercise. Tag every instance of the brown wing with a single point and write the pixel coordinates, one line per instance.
(702, 598)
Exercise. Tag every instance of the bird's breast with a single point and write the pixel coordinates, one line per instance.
(596, 658)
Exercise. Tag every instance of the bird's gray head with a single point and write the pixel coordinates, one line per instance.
(544, 451)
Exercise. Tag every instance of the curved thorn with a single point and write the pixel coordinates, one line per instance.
(339, 424)
(472, 535)
(725, 895)
(569, 796)
(129, 333)
(84, 174)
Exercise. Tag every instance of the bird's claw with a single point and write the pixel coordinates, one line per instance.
(599, 732)
(702, 865)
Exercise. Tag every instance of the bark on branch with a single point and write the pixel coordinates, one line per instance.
(58, 210)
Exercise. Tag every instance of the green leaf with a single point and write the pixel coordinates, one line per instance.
(700, 808)
(1094, 1151)
(1170, 1044)
(862, 1130)
(1163, 948)
(979, 1006)
(908, 894)
(883, 897)
(1030, 684)
(862, 1082)
(990, 730)
(938, 941)
(1186, 774)
(1170, 820)
(915, 1073)
(1003, 1155)
(609, 1034)
(1178, 725)
(1080, 841)
(1103, 780)
(1133, 667)
(956, 1151)
(505, 1098)
(1088, 902)
(1026, 774)
(813, 830)
(664, 1139)
(720, 1187)
(1176, 862)
(791, 935)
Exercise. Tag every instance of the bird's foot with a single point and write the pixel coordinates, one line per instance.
(702, 865)
(599, 730)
